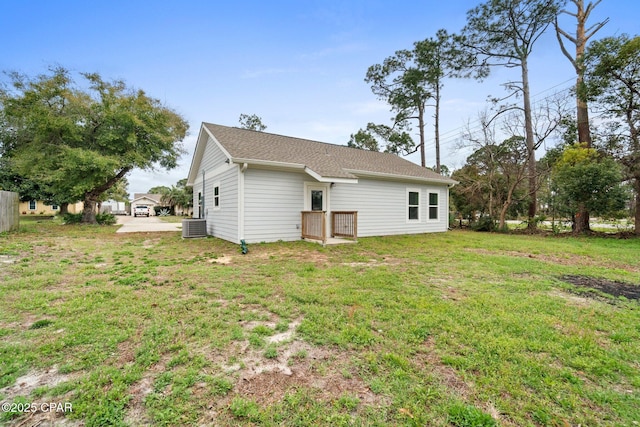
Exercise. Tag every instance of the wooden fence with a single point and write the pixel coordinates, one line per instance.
(9, 211)
(314, 225)
(344, 224)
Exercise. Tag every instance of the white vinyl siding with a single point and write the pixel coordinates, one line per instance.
(212, 158)
(382, 207)
(273, 205)
(222, 221)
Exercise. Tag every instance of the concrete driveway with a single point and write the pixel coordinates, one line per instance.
(145, 224)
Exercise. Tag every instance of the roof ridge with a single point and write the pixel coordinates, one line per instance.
(267, 146)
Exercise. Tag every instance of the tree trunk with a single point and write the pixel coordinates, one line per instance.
(423, 160)
(89, 210)
(437, 128)
(581, 220)
(64, 208)
(503, 214)
(637, 207)
(91, 197)
(531, 148)
(584, 133)
(580, 40)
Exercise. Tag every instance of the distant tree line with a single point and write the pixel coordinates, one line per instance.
(592, 167)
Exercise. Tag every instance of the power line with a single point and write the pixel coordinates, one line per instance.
(454, 134)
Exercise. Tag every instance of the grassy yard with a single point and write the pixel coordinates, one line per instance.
(455, 329)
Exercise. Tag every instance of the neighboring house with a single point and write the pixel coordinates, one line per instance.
(38, 207)
(150, 200)
(256, 186)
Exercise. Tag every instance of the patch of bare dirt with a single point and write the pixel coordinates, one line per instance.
(223, 260)
(150, 243)
(447, 376)
(136, 411)
(298, 365)
(614, 288)
(41, 414)
(373, 262)
(572, 298)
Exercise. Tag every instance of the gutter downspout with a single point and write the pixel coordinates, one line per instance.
(243, 168)
(203, 193)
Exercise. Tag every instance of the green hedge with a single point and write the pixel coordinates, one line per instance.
(102, 218)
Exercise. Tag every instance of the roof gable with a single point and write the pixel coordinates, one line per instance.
(321, 160)
(156, 198)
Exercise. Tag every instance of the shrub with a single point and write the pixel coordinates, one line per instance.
(102, 219)
(158, 210)
(484, 223)
(106, 219)
(70, 218)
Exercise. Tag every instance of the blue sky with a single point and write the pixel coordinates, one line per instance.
(299, 65)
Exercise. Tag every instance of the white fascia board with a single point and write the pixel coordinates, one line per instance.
(196, 159)
(201, 143)
(449, 182)
(321, 178)
(295, 166)
(268, 163)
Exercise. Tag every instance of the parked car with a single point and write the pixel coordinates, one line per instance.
(142, 210)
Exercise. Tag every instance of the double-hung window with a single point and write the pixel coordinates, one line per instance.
(433, 205)
(413, 205)
(216, 196)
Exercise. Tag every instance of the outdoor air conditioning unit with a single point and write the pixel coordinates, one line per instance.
(194, 228)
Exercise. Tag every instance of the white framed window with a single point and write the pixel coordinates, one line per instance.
(55, 207)
(216, 195)
(33, 205)
(434, 205)
(413, 205)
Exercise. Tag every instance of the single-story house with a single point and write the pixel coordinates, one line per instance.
(33, 207)
(261, 187)
(146, 199)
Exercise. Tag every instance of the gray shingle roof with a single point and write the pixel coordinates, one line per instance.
(154, 197)
(326, 160)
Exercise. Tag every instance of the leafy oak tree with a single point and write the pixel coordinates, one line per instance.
(612, 83)
(582, 177)
(81, 140)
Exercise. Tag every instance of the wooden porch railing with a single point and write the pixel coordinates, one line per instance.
(314, 225)
(344, 224)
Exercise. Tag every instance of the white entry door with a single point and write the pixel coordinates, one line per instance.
(316, 197)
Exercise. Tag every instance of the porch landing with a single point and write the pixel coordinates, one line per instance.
(332, 241)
